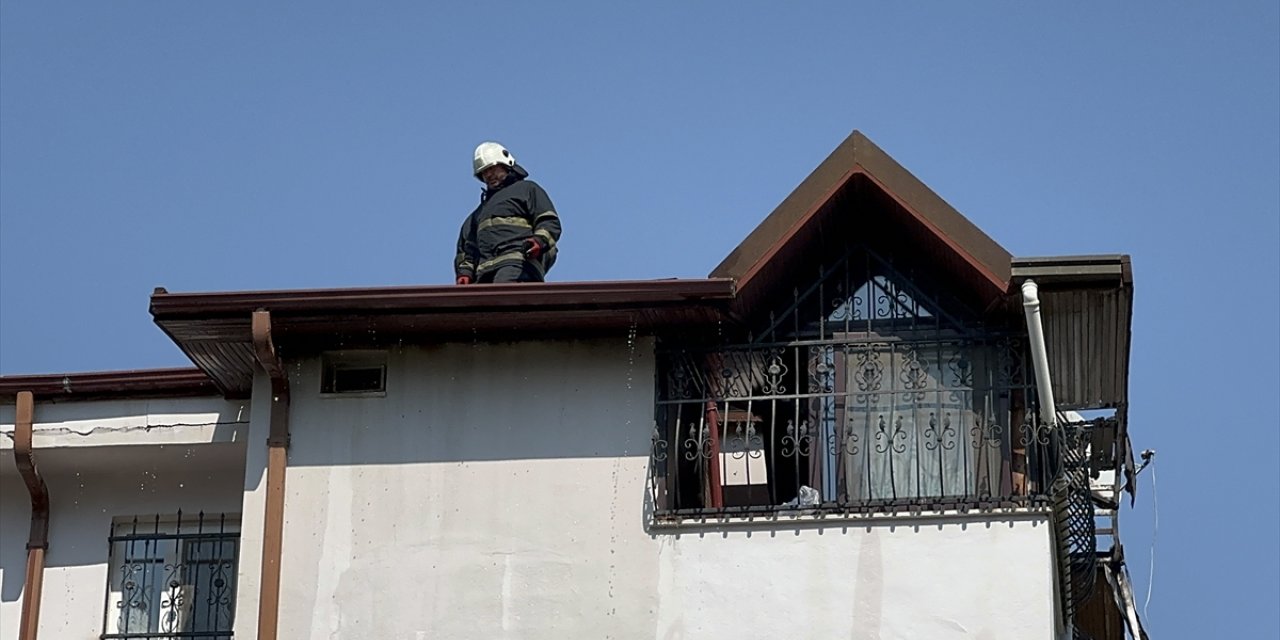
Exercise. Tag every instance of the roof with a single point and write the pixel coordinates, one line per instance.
(1053, 270)
(214, 329)
(141, 383)
(858, 191)
(1087, 310)
(859, 183)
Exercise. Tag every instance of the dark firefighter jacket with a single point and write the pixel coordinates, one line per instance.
(494, 234)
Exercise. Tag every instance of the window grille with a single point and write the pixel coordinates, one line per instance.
(867, 390)
(172, 577)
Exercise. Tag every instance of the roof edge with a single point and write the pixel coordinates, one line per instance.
(443, 297)
(151, 383)
(858, 154)
(1109, 268)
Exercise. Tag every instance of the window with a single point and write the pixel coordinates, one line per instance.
(172, 577)
(353, 372)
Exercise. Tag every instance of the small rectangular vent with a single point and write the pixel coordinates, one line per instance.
(354, 372)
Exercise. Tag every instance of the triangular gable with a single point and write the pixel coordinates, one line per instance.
(860, 190)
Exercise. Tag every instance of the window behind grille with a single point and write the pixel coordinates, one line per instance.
(172, 575)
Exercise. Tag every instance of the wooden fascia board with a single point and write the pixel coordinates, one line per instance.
(858, 155)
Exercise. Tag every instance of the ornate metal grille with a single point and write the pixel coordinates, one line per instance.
(869, 390)
(852, 425)
(1074, 515)
(173, 578)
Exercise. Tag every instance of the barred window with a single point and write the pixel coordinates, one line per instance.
(172, 577)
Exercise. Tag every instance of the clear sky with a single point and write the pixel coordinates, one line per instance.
(233, 145)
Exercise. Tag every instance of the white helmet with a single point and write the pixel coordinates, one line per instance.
(489, 154)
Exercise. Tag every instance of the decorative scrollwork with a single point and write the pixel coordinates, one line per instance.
(754, 442)
(868, 372)
(1032, 432)
(992, 434)
(895, 440)
(961, 369)
(851, 439)
(680, 383)
(696, 446)
(1009, 361)
(172, 599)
(797, 442)
(132, 596)
(914, 376)
(822, 372)
(736, 443)
(659, 447)
(943, 436)
(906, 306)
(775, 372)
(948, 433)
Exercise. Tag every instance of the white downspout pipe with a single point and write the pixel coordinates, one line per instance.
(1039, 355)
(1048, 410)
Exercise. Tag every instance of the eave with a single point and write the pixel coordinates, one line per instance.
(99, 385)
(214, 329)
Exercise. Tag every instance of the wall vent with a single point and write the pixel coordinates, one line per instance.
(353, 372)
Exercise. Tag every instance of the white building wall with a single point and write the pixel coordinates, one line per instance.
(498, 491)
(185, 454)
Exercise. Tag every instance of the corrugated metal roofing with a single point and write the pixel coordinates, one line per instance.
(1087, 308)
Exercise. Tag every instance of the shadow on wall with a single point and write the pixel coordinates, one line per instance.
(91, 486)
(483, 402)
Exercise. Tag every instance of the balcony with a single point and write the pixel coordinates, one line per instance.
(856, 424)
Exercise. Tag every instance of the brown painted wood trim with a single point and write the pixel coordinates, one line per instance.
(109, 384)
(552, 295)
(277, 463)
(1001, 285)
(38, 541)
(813, 209)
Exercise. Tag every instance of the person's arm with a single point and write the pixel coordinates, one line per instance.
(545, 222)
(464, 264)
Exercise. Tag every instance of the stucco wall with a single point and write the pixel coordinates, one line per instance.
(93, 479)
(498, 491)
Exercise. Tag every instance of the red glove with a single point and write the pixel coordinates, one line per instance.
(464, 279)
(532, 248)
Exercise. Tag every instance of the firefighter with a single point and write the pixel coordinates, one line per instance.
(512, 235)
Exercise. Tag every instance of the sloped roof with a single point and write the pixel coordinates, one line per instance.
(858, 189)
(855, 180)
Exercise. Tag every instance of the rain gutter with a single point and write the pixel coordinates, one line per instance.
(441, 298)
(38, 542)
(264, 350)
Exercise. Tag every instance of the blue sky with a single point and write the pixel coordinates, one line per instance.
(232, 145)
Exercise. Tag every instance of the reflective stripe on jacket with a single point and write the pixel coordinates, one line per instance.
(494, 234)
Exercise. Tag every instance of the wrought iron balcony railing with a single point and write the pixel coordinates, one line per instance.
(849, 424)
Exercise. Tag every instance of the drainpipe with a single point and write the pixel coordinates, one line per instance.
(1048, 412)
(1039, 355)
(277, 459)
(713, 425)
(38, 542)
